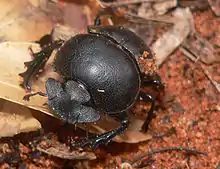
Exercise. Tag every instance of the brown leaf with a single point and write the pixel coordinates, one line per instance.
(201, 48)
(55, 148)
(171, 39)
(15, 119)
(18, 18)
(215, 5)
(150, 9)
(13, 56)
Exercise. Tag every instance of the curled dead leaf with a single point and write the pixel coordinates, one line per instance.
(171, 39)
(59, 150)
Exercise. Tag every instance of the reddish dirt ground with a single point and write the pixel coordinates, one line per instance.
(191, 112)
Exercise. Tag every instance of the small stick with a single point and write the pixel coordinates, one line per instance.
(192, 58)
(214, 83)
(188, 150)
(128, 2)
(187, 54)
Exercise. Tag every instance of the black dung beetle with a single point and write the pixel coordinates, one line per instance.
(103, 71)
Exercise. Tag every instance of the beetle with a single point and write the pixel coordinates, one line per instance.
(103, 71)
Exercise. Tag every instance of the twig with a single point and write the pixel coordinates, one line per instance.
(192, 58)
(214, 83)
(188, 150)
(128, 2)
(129, 15)
(149, 162)
(188, 54)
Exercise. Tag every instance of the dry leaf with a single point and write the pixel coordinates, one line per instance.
(162, 7)
(35, 3)
(12, 64)
(55, 148)
(201, 48)
(15, 119)
(194, 4)
(18, 18)
(215, 5)
(63, 32)
(63, 152)
(148, 9)
(171, 39)
(79, 21)
(12, 56)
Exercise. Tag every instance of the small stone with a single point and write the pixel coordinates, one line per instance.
(199, 134)
(165, 119)
(192, 123)
(126, 166)
(176, 107)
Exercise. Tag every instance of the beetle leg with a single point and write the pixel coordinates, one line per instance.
(39, 61)
(45, 40)
(154, 81)
(150, 116)
(106, 11)
(108, 136)
(27, 97)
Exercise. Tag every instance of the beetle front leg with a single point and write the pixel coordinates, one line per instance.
(153, 81)
(104, 12)
(105, 138)
(38, 62)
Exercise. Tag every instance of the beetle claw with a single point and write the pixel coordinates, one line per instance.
(26, 98)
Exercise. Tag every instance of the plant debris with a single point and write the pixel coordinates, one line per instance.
(52, 147)
(15, 119)
(188, 150)
(215, 5)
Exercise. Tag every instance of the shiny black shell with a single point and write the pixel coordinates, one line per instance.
(109, 73)
(124, 37)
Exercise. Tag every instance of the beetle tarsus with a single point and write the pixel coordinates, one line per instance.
(27, 97)
(45, 40)
(106, 138)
